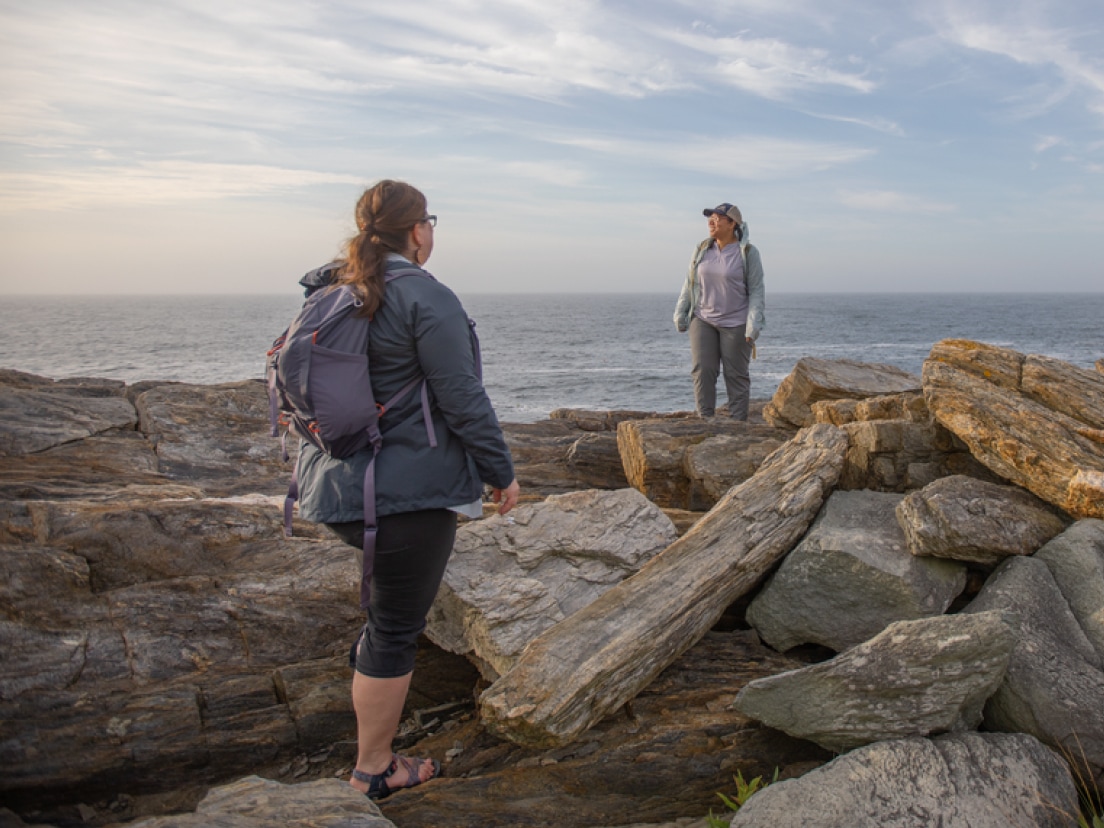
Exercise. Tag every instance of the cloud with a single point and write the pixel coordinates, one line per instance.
(740, 157)
(155, 182)
(890, 201)
(884, 125)
(767, 67)
(1019, 32)
(1046, 142)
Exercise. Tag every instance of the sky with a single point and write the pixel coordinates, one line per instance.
(219, 146)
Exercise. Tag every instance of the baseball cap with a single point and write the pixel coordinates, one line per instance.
(725, 209)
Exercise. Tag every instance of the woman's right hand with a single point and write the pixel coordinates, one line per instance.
(506, 498)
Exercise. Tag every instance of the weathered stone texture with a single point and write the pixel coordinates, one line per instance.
(972, 520)
(510, 579)
(998, 402)
(691, 463)
(1054, 688)
(913, 679)
(1076, 561)
(590, 664)
(813, 380)
(850, 577)
(965, 780)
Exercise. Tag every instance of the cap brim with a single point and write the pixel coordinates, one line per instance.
(708, 211)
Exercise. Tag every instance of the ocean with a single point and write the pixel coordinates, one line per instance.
(546, 351)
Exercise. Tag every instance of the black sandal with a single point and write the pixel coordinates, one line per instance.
(377, 782)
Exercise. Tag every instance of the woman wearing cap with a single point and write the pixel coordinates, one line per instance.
(722, 305)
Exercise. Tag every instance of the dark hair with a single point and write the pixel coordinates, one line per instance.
(385, 214)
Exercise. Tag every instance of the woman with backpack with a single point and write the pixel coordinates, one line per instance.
(722, 305)
(418, 331)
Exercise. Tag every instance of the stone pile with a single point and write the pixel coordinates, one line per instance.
(158, 631)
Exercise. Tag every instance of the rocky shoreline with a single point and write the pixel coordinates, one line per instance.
(905, 573)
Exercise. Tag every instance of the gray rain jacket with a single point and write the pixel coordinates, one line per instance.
(421, 330)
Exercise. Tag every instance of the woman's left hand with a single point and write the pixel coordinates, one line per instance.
(506, 498)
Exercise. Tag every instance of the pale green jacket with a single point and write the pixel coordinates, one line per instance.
(753, 278)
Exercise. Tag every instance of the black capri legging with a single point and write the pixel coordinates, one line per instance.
(412, 550)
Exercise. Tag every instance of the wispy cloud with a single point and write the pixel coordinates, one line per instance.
(748, 157)
(891, 201)
(157, 182)
(766, 67)
(1021, 33)
(1046, 142)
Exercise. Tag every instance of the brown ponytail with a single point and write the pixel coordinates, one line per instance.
(385, 214)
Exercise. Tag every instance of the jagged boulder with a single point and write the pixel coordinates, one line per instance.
(595, 461)
(894, 444)
(540, 456)
(1054, 688)
(143, 641)
(594, 661)
(37, 413)
(1076, 561)
(72, 439)
(691, 463)
(510, 579)
(913, 679)
(962, 780)
(1035, 421)
(215, 437)
(254, 802)
(850, 577)
(813, 380)
(966, 519)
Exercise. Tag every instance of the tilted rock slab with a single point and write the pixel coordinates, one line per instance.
(510, 579)
(666, 757)
(913, 679)
(142, 644)
(962, 780)
(1076, 561)
(37, 413)
(813, 380)
(691, 463)
(895, 445)
(909, 406)
(593, 662)
(1054, 689)
(254, 802)
(850, 577)
(540, 452)
(216, 437)
(1035, 421)
(966, 519)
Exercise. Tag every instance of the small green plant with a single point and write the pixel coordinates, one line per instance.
(1088, 794)
(744, 790)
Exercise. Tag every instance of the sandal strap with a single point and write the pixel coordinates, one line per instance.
(377, 782)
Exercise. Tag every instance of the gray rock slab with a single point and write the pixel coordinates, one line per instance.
(215, 437)
(813, 380)
(850, 577)
(966, 780)
(253, 802)
(1076, 560)
(509, 579)
(916, 678)
(44, 416)
(1054, 688)
(972, 520)
(993, 399)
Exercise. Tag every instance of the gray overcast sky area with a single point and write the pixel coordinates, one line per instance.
(190, 146)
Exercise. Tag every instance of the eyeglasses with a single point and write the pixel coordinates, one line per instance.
(430, 220)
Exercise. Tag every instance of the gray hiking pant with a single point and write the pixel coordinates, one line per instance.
(712, 349)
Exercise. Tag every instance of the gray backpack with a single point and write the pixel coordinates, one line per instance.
(320, 388)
